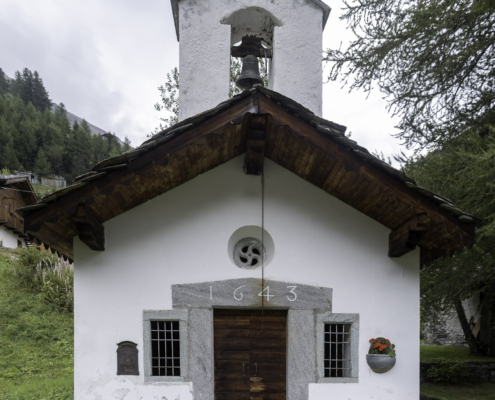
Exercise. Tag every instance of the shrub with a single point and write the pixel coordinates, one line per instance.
(446, 372)
(46, 274)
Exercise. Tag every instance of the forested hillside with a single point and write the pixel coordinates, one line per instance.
(32, 138)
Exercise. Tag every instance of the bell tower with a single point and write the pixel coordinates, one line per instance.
(288, 33)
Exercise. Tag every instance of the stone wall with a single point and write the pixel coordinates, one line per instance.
(445, 328)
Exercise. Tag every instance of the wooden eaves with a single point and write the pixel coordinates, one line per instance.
(260, 123)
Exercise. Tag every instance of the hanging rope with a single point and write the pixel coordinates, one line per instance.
(262, 246)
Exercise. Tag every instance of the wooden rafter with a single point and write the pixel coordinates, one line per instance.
(91, 231)
(406, 237)
(255, 126)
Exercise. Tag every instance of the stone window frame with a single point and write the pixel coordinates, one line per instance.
(181, 315)
(330, 318)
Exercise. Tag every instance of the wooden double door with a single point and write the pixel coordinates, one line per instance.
(250, 359)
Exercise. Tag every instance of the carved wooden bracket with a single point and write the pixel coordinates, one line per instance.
(91, 232)
(406, 238)
(255, 144)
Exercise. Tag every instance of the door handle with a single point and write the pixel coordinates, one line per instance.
(256, 366)
(242, 368)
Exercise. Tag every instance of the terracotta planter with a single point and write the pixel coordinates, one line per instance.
(380, 363)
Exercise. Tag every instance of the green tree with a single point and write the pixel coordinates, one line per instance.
(126, 146)
(433, 61)
(42, 166)
(169, 93)
(8, 158)
(27, 127)
(463, 170)
(17, 85)
(27, 86)
(114, 148)
(4, 83)
(100, 148)
(40, 98)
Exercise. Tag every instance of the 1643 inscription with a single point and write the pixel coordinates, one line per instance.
(127, 358)
(238, 295)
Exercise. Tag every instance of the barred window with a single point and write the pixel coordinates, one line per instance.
(337, 357)
(165, 348)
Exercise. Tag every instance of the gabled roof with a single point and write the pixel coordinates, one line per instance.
(290, 135)
(175, 11)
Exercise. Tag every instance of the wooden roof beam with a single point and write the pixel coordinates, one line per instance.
(91, 231)
(255, 143)
(406, 237)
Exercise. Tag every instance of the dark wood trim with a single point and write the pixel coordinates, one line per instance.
(124, 176)
(406, 238)
(91, 231)
(255, 144)
(366, 170)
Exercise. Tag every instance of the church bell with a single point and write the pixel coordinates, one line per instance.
(250, 74)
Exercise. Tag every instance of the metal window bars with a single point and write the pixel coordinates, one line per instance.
(165, 348)
(337, 357)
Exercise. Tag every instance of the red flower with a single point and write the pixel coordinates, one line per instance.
(372, 340)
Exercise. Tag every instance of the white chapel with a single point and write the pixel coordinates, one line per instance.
(252, 250)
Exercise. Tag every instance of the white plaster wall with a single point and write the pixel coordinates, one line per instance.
(9, 238)
(204, 52)
(181, 237)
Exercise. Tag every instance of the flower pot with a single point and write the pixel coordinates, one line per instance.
(380, 363)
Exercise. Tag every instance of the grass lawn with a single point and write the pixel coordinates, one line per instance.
(481, 391)
(432, 353)
(36, 344)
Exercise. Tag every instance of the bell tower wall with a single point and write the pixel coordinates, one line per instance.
(204, 51)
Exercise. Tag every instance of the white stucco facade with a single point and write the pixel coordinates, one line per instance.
(204, 51)
(9, 239)
(182, 237)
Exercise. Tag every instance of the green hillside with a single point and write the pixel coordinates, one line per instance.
(36, 342)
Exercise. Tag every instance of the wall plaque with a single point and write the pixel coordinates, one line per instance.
(127, 359)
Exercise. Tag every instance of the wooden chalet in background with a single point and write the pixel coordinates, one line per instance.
(15, 193)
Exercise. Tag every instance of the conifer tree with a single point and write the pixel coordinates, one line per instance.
(17, 85)
(40, 98)
(433, 61)
(67, 150)
(42, 167)
(27, 86)
(126, 145)
(4, 83)
(463, 171)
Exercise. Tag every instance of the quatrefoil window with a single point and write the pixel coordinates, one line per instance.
(249, 253)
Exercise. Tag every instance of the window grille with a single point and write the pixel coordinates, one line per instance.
(337, 359)
(165, 348)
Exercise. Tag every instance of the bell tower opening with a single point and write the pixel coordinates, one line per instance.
(252, 33)
(284, 36)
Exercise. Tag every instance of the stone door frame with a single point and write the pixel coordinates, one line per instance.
(305, 304)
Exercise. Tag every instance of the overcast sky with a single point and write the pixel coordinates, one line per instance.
(104, 59)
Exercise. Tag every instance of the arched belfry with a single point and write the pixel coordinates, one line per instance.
(286, 32)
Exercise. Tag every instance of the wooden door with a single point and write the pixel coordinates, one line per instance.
(250, 360)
